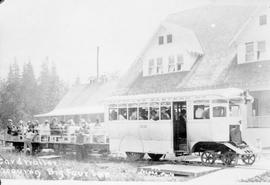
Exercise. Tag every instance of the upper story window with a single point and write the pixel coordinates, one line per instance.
(151, 67)
(171, 64)
(160, 40)
(249, 51)
(261, 48)
(263, 19)
(180, 61)
(169, 38)
(159, 66)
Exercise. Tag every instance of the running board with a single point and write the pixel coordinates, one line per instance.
(180, 152)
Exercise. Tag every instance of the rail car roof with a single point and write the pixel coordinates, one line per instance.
(227, 93)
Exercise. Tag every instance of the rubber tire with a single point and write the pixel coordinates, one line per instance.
(155, 157)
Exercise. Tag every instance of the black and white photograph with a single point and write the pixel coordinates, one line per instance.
(134, 91)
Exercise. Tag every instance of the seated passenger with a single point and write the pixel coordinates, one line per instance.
(133, 116)
(123, 116)
(154, 115)
(9, 126)
(165, 115)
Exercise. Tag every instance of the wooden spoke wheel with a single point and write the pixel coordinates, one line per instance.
(208, 157)
(248, 159)
(134, 156)
(229, 158)
(155, 157)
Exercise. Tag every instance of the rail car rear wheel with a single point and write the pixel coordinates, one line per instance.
(134, 156)
(248, 159)
(229, 158)
(208, 157)
(155, 157)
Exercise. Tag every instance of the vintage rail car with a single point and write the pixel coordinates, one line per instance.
(156, 124)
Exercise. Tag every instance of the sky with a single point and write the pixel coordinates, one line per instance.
(67, 33)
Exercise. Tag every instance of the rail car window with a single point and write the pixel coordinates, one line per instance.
(143, 111)
(234, 109)
(122, 112)
(165, 110)
(132, 111)
(112, 112)
(154, 111)
(219, 111)
(201, 112)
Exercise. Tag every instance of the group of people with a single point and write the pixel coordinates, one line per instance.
(49, 128)
(29, 130)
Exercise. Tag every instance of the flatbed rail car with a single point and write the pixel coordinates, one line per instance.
(208, 122)
(96, 140)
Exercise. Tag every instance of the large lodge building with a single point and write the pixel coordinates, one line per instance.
(210, 47)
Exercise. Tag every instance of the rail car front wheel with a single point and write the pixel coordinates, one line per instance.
(134, 156)
(229, 158)
(248, 159)
(208, 157)
(155, 157)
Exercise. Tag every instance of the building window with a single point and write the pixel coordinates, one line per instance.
(249, 51)
(169, 38)
(180, 61)
(159, 66)
(171, 64)
(160, 40)
(261, 46)
(151, 67)
(255, 107)
(263, 19)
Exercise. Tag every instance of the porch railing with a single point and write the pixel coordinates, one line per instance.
(259, 122)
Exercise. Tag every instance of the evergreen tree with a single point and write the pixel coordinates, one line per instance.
(29, 91)
(44, 88)
(11, 95)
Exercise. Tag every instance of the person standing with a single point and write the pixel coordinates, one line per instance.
(29, 138)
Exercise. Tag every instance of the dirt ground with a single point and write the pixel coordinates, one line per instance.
(19, 166)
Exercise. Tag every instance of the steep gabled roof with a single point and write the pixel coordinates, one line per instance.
(156, 84)
(252, 76)
(215, 27)
(83, 99)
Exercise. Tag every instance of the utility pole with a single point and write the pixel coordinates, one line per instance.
(97, 63)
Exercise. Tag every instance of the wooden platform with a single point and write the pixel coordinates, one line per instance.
(184, 170)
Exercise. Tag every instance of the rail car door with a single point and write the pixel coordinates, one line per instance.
(179, 127)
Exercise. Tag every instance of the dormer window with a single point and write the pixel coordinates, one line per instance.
(180, 61)
(159, 66)
(171, 64)
(263, 20)
(160, 40)
(169, 38)
(249, 51)
(151, 67)
(261, 48)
